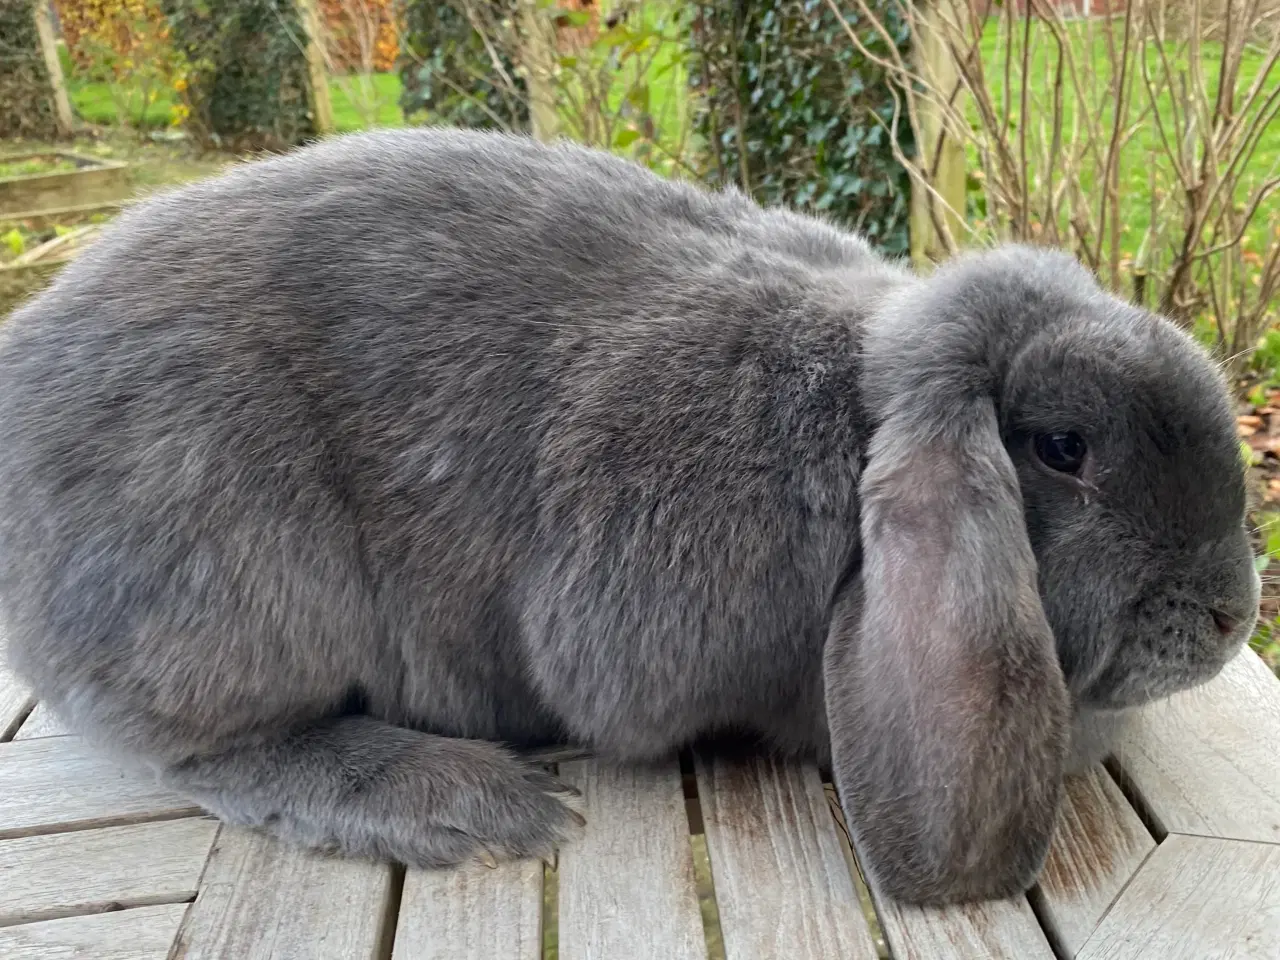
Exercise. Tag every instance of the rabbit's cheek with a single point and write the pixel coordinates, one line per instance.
(1173, 644)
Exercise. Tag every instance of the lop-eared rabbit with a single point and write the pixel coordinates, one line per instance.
(333, 486)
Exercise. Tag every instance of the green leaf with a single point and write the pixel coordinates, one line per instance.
(639, 97)
(13, 239)
(625, 138)
(1273, 540)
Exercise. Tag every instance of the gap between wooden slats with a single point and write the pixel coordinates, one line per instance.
(58, 784)
(40, 723)
(15, 700)
(1099, 845)
(1204, 761)
(94, 871)
(143, 933)
(1196, 898)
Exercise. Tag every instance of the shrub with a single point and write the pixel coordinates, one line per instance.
(247, 86)
(124, 45)
(1138, 141)
(26, 96)
(449, 72)
(363, 35)
(794, 114)
(360, 39)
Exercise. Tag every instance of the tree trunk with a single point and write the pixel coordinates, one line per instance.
(941, 156)
(538, 57)
(321, 106)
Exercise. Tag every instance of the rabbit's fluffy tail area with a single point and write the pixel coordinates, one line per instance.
(363, 788)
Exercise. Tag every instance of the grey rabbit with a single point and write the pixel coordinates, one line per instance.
(334, 485)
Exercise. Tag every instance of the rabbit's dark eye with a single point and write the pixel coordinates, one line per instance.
(1063, 452)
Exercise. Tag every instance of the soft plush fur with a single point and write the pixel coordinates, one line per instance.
(329, 485)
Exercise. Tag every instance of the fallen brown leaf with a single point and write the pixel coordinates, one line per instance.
(1264, 442)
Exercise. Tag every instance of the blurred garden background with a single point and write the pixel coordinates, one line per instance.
(1142, 135)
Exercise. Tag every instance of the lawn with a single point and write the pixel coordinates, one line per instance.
(355, 100)
(369, 97)
(93, 102)
(1144, 165)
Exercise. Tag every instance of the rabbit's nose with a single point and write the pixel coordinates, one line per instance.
(1225, 622)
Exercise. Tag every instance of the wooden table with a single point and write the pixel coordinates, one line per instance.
(1172, 853)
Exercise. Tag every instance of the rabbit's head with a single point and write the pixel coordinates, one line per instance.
(1053, 521)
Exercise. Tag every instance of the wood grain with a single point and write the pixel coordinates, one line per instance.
(627, 888)
(62, 783)
(15, 699)
(41, 723)
(145, 933)
(472, 913)
(1099, 845)
(93, 871)
(1197, 898)
(1205, 761)
(782, 883)
(994, 930)
(263, 899)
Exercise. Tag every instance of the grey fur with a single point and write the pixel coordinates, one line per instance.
(321, 480)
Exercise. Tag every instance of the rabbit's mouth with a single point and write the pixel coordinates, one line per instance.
(1175, 631)
(1139, 674)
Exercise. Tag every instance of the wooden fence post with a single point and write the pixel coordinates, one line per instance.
(321, 105)
(947, 177)
(49, 48)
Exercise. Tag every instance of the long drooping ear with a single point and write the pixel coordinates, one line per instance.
(947, 707)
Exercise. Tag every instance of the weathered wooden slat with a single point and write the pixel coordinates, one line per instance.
(41, 723)
(783, 886)
(262, 899)
(144, 933)
(1099, 845)
(62, 783)
(1205, 761)
(92, 871)
(1197, 898)
(472, 913)
(995, 930)
(15, 699)
(626, 887)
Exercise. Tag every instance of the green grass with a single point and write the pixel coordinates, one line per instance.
(93, 101)
(380, 92)
(376, 97)
(1144, 162)
(30, 166)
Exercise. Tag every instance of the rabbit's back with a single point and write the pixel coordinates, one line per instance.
(312, 426)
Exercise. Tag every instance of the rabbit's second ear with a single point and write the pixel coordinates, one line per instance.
(947, 707)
